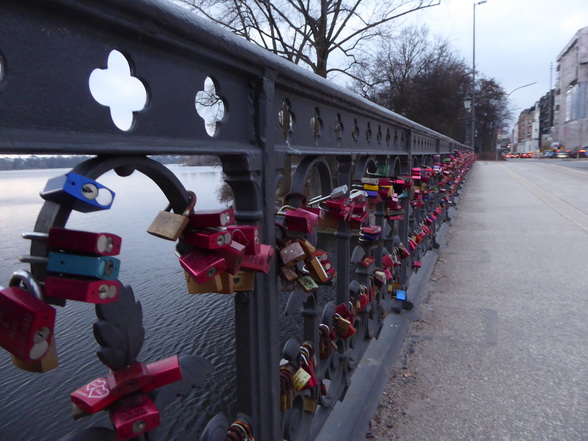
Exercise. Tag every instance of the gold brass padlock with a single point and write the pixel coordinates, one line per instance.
(341, 326)
(244, 280)
(214, 284)
(168, 225)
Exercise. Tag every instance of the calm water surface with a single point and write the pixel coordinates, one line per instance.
(37, 406)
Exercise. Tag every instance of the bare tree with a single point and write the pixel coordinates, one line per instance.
(309, 32)
(419, 77)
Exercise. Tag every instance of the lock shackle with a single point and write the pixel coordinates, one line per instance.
(190, 207)
(26, 278)
(282, 210)
(302, 196)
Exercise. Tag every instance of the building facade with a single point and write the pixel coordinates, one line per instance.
(571, 93)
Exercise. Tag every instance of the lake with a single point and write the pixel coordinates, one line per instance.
(37, 406)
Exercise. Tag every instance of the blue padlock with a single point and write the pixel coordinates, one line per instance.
(78, 192)
(101, 267)
(400, 294)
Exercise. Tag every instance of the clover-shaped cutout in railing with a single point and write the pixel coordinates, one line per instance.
(116, 88)
(316, 125)
(286, 119)
(210, 106)
(338, 129)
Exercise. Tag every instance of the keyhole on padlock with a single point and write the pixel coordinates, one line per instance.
(108, 267)
(211, 272)
(104, 244)
(139, 426)
(41, 344)
(90, 191)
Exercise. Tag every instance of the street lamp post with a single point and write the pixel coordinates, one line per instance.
(504, 102)
(473, 131)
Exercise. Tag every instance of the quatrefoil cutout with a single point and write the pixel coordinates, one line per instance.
(210, 107)
(116, 88)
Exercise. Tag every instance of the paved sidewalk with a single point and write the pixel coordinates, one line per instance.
(498, 349)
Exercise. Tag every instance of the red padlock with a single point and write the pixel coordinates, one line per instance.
(133, 415)
(387, 260)
(308, 366)
(247, 235)
(261, 261)
(208, 238)
(233, 255)
(82, 290)
(93, 397)
(163, 372)
(84, 242)
(300, 220)
(26, 321)
(202, 265)
(129, 379)
(212, 218)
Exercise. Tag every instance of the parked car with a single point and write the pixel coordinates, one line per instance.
(578, 153)
(547, 154)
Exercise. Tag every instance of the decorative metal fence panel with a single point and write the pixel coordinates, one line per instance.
(313, 279)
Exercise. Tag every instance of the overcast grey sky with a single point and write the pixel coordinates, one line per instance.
(516, 40)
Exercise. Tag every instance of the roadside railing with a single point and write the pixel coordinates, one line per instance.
(129, 80)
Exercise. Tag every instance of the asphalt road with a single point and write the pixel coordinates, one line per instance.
(498, 349)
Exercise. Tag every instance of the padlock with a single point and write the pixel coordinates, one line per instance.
(234, 253)
(417, 264)
(400, 294)
(412, 245)
(367, 261)
(82, 290)
(261, 261)
(27, 322)
(370, 181)
(307, 284)
(94, 396)
(129, 379)
(288, 274)
(133, 415)
(239, 431)
(81, 242)
(307, 363)
(163, 372)
(244, 280)
(343, 327)
(292, 253)
(387, 260)
(213, 284)
(402, 252)
(317, 270)
(326, 341)
(358, 220)
(286, 388)
(300, 379)
(337, 192)
(207, 238)
(337, 204)
(168, 225)
(299, 220)
(247, 235)
(212, 218)
(78, 193)
(202, 265)
(101, 267)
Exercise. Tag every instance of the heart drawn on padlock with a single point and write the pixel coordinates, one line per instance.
(97, 388)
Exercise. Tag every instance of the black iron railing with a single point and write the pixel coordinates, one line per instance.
(284, 136)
